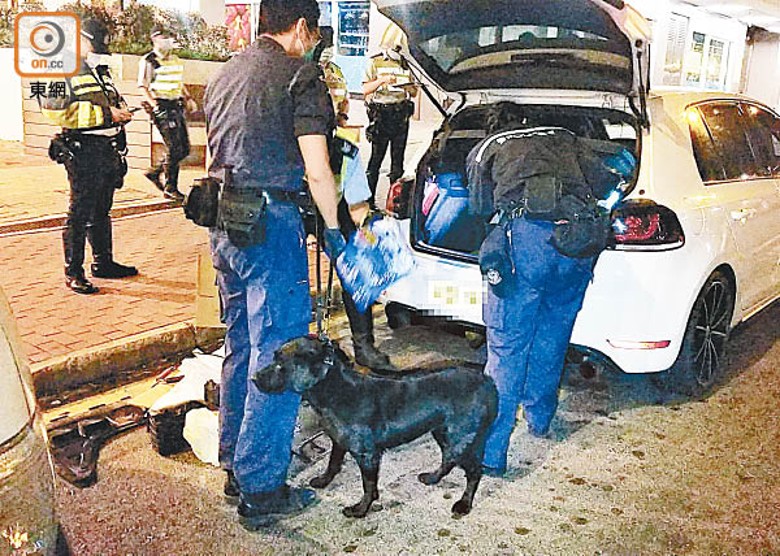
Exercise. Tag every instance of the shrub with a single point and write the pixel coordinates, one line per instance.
(131, 27)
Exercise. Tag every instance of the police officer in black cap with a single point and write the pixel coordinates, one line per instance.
(92, 146)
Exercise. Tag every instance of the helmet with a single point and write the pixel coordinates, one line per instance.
(97, 33)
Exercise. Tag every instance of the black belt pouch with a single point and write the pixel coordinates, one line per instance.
(242, 216)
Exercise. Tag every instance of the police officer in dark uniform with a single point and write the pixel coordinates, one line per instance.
(268, 116)
(536, 287)
(161, 80)
(92, 146)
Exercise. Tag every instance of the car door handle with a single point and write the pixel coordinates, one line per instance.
(743, 214)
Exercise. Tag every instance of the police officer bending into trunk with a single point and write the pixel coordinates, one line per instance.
(268, 115)
(539, 185)
(161, 79)
(92, 146)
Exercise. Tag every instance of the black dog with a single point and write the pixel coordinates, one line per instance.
(367, 414)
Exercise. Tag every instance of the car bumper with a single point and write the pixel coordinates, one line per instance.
(634, 313)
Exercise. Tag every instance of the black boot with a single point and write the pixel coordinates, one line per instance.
(173, 194)
(362, 327)
(153, 175)
(231, 489)
(112, 269)
(367, 354)
(262, 509)
(100, 238)
(79, 284)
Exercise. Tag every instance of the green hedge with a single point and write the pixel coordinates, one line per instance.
(131, 27)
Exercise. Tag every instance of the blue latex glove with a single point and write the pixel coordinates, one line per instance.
(334, 243)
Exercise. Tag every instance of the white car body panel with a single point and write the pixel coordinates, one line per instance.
(642, 296)
(28, 523)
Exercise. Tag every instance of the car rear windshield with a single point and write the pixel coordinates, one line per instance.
(517, 44)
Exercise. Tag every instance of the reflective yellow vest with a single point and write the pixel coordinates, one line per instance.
(168, 77)
(86, 104)
(337, 85)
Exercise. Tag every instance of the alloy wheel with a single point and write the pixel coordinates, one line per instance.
(711, 331)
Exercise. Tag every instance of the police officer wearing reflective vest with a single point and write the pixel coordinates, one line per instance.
(538, 188)
(388, 89)
(161, 79)
(268, 116)
(92, 147)
(334, 76)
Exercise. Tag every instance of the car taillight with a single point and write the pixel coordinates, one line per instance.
(645, 226)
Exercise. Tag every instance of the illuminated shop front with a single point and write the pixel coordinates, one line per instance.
(349, 19)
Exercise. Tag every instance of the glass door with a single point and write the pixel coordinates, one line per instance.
(706, 64)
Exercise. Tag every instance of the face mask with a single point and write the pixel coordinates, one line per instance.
(94, 59)
(165, 46)
(326, 56)
(308, 53)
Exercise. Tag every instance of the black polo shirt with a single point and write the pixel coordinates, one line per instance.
(257, 105)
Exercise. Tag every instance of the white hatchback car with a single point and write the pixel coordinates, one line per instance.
(27, 521)
(696, 240)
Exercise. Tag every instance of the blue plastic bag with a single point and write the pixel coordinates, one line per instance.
(376, 257)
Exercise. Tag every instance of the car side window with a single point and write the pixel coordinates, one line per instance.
(729, 132)
(764, 134)
(707, 158)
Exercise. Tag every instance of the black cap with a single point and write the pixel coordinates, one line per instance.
(97, 33)
(326, 35)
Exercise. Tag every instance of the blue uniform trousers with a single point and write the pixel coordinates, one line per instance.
(265, 296)
(528, 331)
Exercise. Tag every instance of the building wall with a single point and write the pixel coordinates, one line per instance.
(661, 12)
(763, 69)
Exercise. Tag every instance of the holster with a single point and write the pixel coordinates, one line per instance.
(202, 202)
(59, 151)
(495, 259)
(119, 144)
(242, 215)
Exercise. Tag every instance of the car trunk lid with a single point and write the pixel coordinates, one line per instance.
(467, 45)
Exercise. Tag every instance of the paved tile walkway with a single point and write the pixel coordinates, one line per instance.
(52, 320)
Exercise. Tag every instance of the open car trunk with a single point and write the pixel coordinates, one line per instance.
(442, 223)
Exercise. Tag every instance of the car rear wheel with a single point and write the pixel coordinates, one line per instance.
(397, 316)
(699, 365)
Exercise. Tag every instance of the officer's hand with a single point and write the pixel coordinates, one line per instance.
(360, 213)
(120, 115)
(334, 243)
(192, 106)
(388, 79)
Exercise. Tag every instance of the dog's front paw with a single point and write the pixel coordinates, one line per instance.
(321, 481)
(358, 510)
(461, 507)
(428, 478)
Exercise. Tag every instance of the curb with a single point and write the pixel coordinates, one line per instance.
(58, 221)
(120, 360)
(108, 362)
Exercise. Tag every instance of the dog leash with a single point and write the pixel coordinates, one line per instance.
(323, 305)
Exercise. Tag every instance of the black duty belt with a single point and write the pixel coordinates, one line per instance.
(273, 195)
